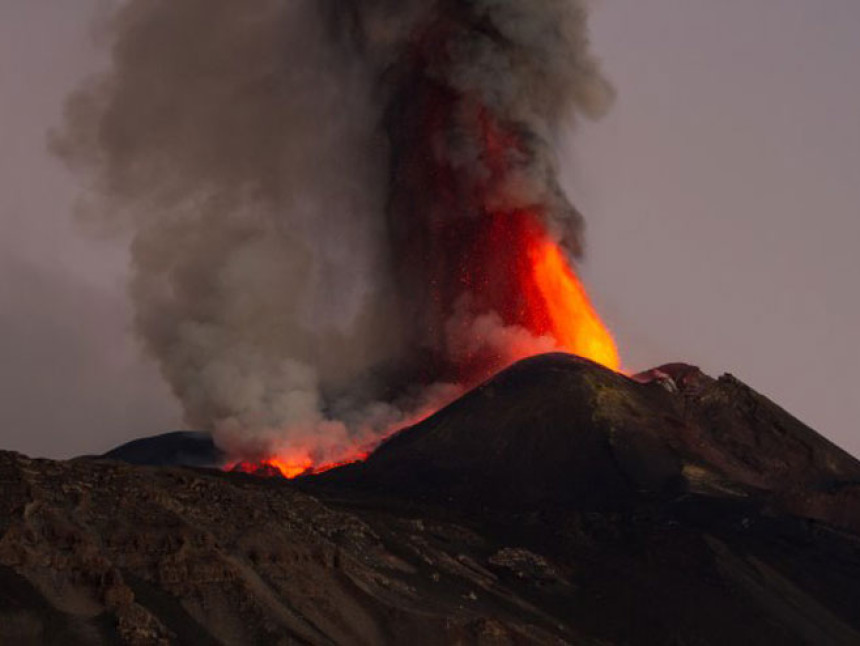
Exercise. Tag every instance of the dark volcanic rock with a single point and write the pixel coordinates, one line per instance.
(562, 431)
(559, 503)
(546, 431)
(95, 552)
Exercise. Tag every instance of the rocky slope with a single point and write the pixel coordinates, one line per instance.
(559, 503)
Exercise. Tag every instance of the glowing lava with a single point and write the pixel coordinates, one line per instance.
(515, 269)
(290, 467)
(566, 311)
(287, 466)
(293, 465)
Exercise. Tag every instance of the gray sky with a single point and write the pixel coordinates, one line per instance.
(722, 195)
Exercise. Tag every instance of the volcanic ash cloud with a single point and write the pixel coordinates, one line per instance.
(328, 200)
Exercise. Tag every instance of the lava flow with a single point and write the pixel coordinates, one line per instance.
(287, 466)
(292, 465)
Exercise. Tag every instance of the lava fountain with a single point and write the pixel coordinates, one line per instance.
(558, 304)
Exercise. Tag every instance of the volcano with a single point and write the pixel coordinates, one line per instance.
(557, 503)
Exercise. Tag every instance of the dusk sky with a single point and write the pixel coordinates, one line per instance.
(722, 195)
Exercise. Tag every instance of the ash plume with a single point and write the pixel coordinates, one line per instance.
(303, 182)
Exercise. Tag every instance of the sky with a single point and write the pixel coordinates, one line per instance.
(722, 196)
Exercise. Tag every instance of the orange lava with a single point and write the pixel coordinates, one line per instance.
(293, 465)
(287, 466)
(519, 271)
(570, 317)
(523, 273)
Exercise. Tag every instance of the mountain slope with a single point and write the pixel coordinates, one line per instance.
(561, 430)
(558, 503)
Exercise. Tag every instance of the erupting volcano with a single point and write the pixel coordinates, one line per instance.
(481, 230)
(352, 254)
(345, 212)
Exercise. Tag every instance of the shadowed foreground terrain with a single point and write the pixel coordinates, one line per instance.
(559, 503)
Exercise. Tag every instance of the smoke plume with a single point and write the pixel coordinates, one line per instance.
(310, 186)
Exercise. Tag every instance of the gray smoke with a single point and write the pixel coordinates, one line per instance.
(243, 145)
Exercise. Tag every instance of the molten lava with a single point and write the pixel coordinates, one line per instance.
(513, 268)
(283, 466)
(558, 296)
(543, 294)
(292, 465)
